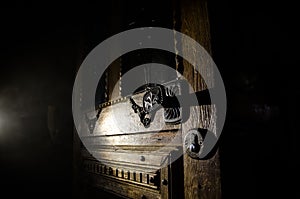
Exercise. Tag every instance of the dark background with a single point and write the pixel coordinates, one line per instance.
(254, 46)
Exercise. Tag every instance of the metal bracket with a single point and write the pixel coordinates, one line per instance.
(155, 97)
(144, 116)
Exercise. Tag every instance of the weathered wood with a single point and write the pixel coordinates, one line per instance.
(165, 183)
(127, 182)
(128, 151)
(121, 119)
(201, 177)
(139, 177)
(122, 188)
(150, 139)
(131, 157)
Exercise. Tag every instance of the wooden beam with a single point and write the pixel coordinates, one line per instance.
(201, 177)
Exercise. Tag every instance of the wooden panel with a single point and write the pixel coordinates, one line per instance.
(140, 139)
(117, 116)
(126, 183)
(201, 177)
(120, 119)
(123, 189)
(142, 158)
(139, 177)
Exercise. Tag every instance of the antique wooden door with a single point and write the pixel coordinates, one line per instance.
(134, 155)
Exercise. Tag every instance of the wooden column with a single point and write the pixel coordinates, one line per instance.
(201, 177)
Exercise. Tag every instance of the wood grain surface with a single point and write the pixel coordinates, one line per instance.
(201, 177)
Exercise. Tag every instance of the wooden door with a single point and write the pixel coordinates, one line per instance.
(123, 163)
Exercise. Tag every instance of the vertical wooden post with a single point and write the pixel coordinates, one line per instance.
(201, 177)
